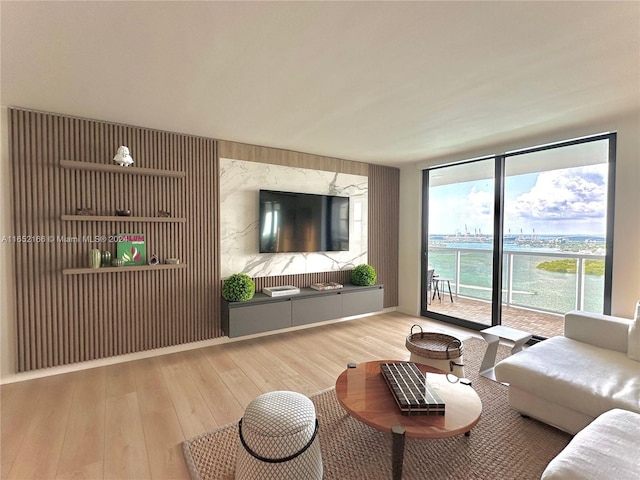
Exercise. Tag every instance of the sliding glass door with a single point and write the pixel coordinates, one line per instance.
(520, 238)
(459, 241)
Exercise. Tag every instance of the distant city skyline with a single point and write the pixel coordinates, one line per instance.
(558, 202)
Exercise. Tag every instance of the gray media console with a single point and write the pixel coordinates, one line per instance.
(264, 313)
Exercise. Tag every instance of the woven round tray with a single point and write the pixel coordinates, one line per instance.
(438, 346)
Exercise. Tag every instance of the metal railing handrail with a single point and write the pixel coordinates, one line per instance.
(587, 256)
(510, 254)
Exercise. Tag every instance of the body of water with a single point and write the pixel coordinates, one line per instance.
(532, 287)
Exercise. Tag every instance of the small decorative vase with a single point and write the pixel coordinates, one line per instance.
(117, 262)
(106, 258)
(95, 257)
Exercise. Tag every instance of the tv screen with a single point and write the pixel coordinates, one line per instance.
(303, 222)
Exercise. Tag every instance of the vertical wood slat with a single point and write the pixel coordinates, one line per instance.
(384, 225)
(67, 319)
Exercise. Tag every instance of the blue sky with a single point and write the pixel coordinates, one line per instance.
(564, 201)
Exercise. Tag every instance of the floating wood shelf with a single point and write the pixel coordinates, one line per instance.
(104, 167)
(117, 218)
(135, 268)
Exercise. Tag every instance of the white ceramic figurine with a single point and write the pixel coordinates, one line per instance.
(123, 158)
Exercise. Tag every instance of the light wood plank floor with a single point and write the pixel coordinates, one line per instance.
(128, 420)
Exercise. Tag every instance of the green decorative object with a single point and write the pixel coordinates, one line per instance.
(238, 288)
(95, 258)
(364, 275)
(106, 258)
(117, 262)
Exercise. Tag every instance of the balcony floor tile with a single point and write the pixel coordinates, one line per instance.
(538, 323)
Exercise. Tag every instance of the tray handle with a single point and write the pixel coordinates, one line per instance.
(416, 325)
(453, 344)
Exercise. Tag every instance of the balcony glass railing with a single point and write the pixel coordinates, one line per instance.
(547, 281)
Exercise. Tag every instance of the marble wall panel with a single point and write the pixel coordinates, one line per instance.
(240, 183)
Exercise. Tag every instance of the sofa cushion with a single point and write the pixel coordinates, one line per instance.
(606, 448)
(633, 349)
(580, 376)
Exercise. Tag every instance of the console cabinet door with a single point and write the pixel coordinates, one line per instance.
(263, 317)
(319, 309)
(366, 301)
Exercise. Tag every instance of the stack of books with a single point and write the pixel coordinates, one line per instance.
(283, 291)
(326, 286)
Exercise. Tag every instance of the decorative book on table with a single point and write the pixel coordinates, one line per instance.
(413, 394)
(132, 248)
(282, 291)
(326, 286)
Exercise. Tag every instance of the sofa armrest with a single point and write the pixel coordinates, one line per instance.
(604, 331)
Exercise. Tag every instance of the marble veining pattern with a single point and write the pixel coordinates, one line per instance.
(240, 182)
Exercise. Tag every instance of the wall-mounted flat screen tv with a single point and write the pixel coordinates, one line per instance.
(303, 222)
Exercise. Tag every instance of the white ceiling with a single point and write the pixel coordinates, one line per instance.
(380, 82)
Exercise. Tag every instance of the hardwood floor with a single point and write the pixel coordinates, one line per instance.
(129, 420)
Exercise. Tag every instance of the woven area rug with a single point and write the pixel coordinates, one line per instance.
(502, 446)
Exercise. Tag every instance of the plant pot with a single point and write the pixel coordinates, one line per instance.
(106, 258)
(95, 258)
(117, 262)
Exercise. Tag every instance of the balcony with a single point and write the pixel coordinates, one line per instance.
(534, 298)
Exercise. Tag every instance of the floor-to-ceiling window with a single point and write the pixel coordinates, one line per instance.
(522, 237)
(460, 233)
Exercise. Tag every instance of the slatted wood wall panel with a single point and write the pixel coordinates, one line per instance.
(384, 226)
(64, 319)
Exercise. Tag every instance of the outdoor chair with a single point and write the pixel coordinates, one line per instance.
(430, 289)
(438, 288)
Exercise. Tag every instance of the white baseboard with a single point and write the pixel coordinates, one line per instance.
(103, 362)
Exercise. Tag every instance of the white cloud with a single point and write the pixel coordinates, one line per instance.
(448, 214)
(480, 203)
(562, 198)
(564, 201)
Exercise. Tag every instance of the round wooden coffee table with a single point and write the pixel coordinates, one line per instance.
(365, 395)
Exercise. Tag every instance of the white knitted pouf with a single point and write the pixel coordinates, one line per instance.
(278, 439)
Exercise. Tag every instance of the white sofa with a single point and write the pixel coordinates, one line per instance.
(607, 448)
(568, 381)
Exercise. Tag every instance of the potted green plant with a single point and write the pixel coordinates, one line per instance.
(238, 288)
(363, 275)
